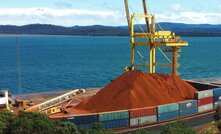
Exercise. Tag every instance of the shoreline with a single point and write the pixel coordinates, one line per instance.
(92, 35)
(47, 94)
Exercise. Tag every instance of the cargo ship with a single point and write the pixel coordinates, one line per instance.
(138, 99)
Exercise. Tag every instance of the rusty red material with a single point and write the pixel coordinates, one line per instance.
(137, 89)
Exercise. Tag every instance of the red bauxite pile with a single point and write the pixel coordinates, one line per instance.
(136, 89)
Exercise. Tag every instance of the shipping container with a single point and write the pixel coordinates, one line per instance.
(168, 108)
(106, 116)
(186, 112)
(115, 123)
(84, 119)
(216, 104)
(188, 104)
(143, 120)
(216, 98)
(217, 92)
(168, 116)
(206, 107)
(204, 94)
(205, 101)
(140, 112)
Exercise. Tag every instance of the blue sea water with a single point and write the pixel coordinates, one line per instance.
(50, 63)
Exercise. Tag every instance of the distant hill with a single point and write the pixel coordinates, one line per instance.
(98, 30)
(193, 29)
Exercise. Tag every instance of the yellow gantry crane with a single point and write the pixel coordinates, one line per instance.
(154, 40)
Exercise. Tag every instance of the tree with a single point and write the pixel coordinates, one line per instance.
(66, 128)
(142, 131)
(178, 127)
(217, 115)
(99, 129)
(5, 118)
(32, 123)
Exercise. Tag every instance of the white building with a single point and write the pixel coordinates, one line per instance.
(3, 98)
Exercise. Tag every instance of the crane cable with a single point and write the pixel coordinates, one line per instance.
(155, 19)
(157, 47)
(148, 37)
(18, 66)
(141, 56)
(165, 54)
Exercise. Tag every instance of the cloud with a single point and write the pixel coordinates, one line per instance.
(65, 17)
(71, 17)
(63, 5)
(191, 17)
(110, 5)
(177, 13)
(177, 7)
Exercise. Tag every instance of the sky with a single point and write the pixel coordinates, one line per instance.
(106, 12)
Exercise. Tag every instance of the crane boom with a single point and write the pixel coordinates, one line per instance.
(146, 13)
(127, 14)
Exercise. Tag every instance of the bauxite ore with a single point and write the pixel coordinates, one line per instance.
(137, 89)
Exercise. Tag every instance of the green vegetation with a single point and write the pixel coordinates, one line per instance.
(142, 131)
(217, 117)
(97, 129)
(5, 118)
(28, 123)
(188, 30)
(178, 127)
(33, 123)
(37, 123)
(66, 128)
